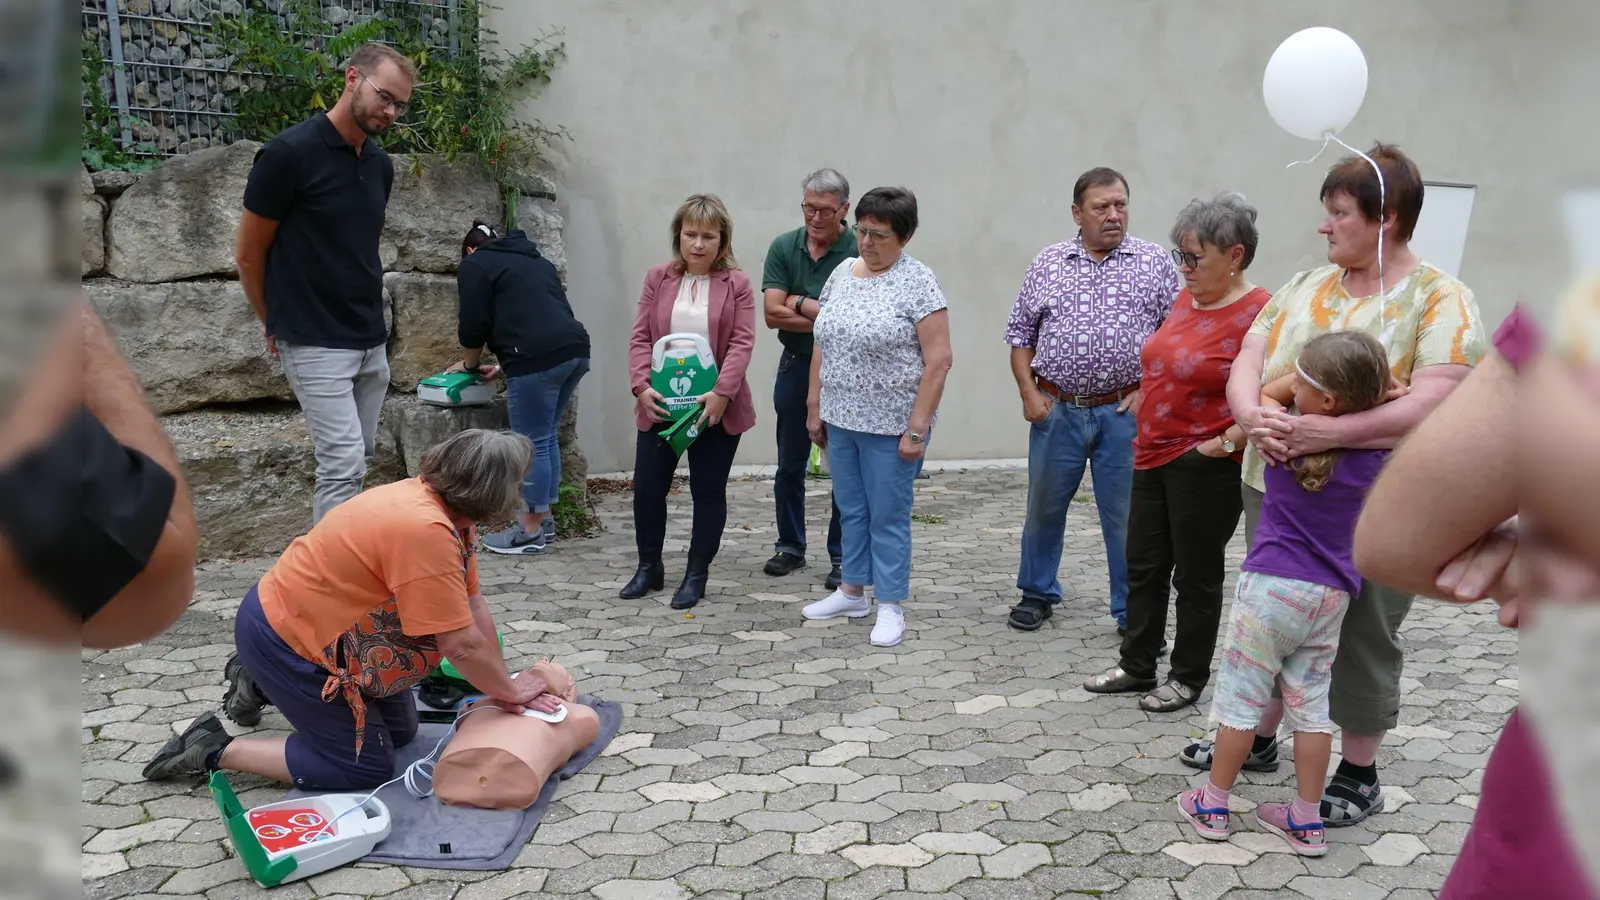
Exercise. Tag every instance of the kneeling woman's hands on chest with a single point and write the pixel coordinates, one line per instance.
(532, 693)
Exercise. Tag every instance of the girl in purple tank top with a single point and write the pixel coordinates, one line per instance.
(1293, 590)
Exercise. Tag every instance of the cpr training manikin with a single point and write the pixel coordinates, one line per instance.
(501, 760)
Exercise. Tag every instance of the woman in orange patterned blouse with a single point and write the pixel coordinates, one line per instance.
(357, 612)
(1430, 326)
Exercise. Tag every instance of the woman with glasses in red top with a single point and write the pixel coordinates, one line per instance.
(1186, 458)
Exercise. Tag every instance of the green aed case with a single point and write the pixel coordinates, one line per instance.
(455, 389)
(681, 375)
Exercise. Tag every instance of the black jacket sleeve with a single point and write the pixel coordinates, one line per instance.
(83, 513)
(476, 292)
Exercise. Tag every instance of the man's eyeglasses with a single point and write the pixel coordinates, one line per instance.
(400, 107)
(1186, 259)
(823, 212)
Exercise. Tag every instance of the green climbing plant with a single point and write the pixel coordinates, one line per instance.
(102, 125)
(463, 104)
(289, 66)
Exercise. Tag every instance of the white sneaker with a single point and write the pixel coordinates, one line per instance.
(891, 625)
(838, 604)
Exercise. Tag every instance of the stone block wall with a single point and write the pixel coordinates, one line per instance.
(158, 265)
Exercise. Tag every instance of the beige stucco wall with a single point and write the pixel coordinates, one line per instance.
(989, 109)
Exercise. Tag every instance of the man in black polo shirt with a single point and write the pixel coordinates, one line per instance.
(308, 259)
(798, 265)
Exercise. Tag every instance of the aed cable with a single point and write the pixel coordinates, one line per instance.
(414, 775)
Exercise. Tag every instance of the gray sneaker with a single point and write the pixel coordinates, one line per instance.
(243, 701)
(515, 540)
(549, 526)
(186, 754)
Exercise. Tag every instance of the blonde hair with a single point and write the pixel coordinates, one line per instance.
(705, 209)
(1352, 368)
(371, 55)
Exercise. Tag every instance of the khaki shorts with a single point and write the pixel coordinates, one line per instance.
(1364, 697)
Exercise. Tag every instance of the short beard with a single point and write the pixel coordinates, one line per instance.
(363, 117)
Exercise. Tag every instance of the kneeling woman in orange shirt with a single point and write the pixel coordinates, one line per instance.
(357, 612)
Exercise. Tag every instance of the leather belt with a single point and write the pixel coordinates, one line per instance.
(1083, 401)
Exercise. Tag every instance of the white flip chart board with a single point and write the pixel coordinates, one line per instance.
(1581, 209)
(1441, 234)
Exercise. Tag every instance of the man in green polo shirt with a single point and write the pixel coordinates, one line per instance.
(798, 265)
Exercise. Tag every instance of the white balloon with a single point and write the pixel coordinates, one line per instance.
(1315, 82)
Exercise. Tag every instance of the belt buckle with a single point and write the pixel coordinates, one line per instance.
(1077, 400)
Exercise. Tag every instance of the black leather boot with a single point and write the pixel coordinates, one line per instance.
(693, 589)
(650, 576)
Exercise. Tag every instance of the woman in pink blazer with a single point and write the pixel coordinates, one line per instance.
(701, 291)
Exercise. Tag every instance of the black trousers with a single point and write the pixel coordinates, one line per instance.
(710, 459)
(1180, 519)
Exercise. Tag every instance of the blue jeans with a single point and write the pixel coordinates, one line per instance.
(794, 449)
(534, 403)
(1058, 447)
(873, 487)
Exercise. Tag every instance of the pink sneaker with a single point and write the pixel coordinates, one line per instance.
(1211, 824)
(1306, 840)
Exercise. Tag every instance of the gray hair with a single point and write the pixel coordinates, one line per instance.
(827, 181)
(479, 472)
(1222, 222)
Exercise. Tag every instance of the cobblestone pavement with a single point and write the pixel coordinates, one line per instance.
(764, 756)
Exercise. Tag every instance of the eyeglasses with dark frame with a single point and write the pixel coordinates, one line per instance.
(1186, 259)
(400, 107)
(813, 212)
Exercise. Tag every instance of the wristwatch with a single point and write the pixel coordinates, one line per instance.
(915, 438)
(1229, 447)
(799, 302)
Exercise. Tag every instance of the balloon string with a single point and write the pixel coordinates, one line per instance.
(1301, 162)
(1383, 293)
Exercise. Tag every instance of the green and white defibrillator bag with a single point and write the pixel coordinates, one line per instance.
(681, 375)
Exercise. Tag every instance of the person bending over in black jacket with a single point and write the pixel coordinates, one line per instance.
(513, 302)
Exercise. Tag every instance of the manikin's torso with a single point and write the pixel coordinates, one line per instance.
(497, 760)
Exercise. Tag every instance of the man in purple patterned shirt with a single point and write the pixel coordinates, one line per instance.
(1085, 310)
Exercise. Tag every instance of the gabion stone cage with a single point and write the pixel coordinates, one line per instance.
(170, 81)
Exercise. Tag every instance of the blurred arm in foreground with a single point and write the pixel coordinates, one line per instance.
(1459, 466)
(1504, 509)
(97, 532)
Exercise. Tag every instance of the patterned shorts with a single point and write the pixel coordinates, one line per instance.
(1282, 629)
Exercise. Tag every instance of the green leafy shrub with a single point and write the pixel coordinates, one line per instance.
(574, 513)
(461, 105)
(290, 67)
